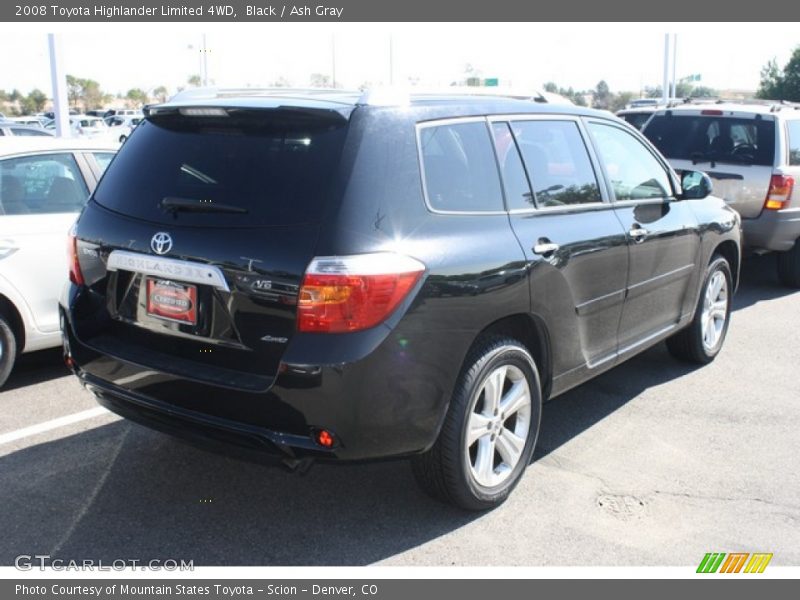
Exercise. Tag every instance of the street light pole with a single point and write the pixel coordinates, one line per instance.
(665, 82)
(59, 82)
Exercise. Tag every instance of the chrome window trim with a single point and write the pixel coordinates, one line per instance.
(449, 121)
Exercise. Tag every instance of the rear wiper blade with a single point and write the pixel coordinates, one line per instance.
(173, 204)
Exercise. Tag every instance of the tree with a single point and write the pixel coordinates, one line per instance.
(781, 84)
(85, 92)
(3, 96)
(33, 102)
(602, 96)
(137, 95)
(620, 101)
(194, 81)
(551, 87)
(318, 80)
(160, 94)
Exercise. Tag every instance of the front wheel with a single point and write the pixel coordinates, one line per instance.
(490, 430)
(8, 350)
(702, 340)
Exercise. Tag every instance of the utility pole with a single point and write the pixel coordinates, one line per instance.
(391, 60)
(59, 82)
(333, 60)
(665, 82)
(205, 62)
(674, 63)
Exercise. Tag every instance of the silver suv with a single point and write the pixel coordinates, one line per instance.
(752, 153)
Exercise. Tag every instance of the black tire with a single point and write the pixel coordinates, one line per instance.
(789, 266)
(444, 471)
(122, 139)
(8, 350)
(688, 343)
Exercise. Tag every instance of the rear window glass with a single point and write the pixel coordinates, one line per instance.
(460, 168)
(710, 138)
(637, 119)
(794, 142)
(275, 166)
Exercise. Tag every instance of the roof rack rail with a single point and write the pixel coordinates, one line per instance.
(383, 95)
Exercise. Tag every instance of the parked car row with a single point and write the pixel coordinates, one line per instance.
(344, 276)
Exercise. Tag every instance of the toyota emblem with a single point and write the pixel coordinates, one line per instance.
(161, 243)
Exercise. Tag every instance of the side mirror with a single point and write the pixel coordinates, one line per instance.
(696, 185)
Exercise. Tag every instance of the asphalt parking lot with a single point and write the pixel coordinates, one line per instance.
(653, 463)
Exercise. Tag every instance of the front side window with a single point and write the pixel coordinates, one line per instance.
(50, 183)
(459, 168)
(634, 172)
(557, 162)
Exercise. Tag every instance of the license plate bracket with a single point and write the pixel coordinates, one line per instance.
(171, 300)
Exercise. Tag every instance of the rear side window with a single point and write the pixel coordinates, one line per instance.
(557, 162)
(459, 168)
(714, 138)
(50, 183)
(275, 166)
(794, 142)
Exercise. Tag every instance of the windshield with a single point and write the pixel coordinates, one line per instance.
(276, 170)
(714, 138)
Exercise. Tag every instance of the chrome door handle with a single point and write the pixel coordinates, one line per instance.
(638, 233)
(546, 248)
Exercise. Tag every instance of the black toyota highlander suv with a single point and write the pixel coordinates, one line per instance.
(333, 275)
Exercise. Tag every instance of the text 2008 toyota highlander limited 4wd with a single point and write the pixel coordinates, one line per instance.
(328, 275)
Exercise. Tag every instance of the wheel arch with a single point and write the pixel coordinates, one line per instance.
(531, 331)
(729, 250)
(12, 314)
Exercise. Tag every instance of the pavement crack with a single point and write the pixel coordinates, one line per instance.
(726, 499)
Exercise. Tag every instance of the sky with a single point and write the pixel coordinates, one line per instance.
(628, 56)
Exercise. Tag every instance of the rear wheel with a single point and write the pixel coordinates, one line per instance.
(8, 350)
(490, 431)
(789, 266)
(702, 340)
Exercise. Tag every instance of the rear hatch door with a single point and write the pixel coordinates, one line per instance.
(197, 238)
(736, 149)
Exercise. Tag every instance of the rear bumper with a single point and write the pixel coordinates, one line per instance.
(775, 230)
(390, 402)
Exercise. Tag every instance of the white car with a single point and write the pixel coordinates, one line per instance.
(123, 125)
(44, 183)
(85, 126)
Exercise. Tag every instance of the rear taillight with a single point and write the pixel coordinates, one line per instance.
(351, 293)
(780, 190)
(75, 275)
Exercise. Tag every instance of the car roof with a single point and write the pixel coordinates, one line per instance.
(444, 103)
(785, 110)
(27, 145)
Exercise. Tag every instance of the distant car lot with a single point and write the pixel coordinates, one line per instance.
(653, 463)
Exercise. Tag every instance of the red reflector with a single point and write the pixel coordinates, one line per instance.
(711, 112)
(75, 275)
(324, 438)
(780, 191)
(342, 294)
